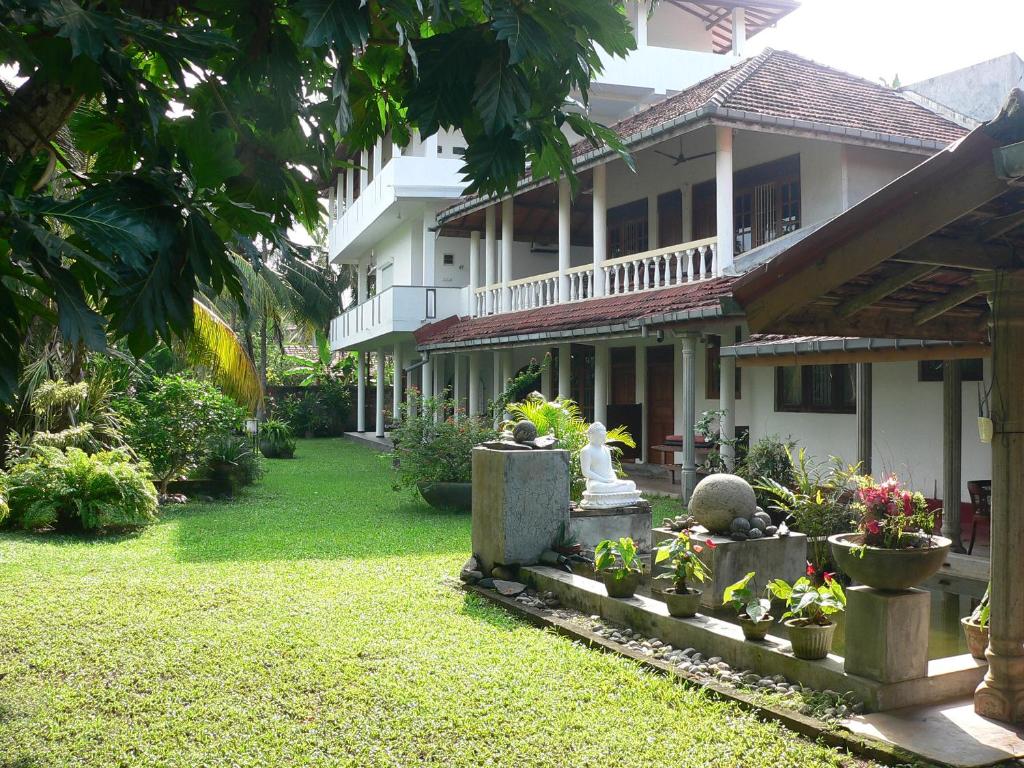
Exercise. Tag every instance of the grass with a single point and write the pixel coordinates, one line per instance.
(310, 623)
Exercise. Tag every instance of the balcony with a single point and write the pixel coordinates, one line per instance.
(397, 310)
(647, 271)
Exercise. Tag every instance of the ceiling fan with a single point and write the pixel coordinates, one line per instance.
(681, 157)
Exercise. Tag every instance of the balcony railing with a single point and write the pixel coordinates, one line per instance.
(399, 309)
(647, 271)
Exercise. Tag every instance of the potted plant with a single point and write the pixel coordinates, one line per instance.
(276, 440)
(808, 609)
(618, 565)
(566, 544)
(754, 612)
(686, 566)
(985, 427)
(976, 627)
(893, 548)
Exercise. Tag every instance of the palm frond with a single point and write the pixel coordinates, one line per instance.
(215, 346)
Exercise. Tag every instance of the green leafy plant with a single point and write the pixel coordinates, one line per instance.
(684, 560)
(276, 439)
(431, 449)
(74, 491)
(707, 426)
(745, 601)
(983, 610)
(322, 369)
(769, 458)
(618, 558)
(563, 419)
(232, 462)
(807, 603)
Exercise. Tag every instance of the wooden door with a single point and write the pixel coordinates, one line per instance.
(660, 399)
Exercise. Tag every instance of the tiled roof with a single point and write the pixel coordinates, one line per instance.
(593, 313)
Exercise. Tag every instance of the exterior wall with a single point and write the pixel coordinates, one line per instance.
(868, 170)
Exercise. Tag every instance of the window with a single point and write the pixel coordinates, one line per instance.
(816, 388)
(449, 259)
(931, 370)
(627, 229)
(713, 368)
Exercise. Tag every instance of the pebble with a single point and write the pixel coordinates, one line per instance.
(689, 652)
(714, 659)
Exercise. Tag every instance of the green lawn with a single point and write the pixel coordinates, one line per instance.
(310, 623)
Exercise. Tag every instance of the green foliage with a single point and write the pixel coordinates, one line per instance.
(276, 439)
(73, 491)
(264, 97)
(232, 462)
(684, 560)
(980, 615)
(520, 387)
(890, 516)
(319, 411)
(619, 558)
(173, 424)
(769, 457)
(325, 369)
(430, 448)
(745, 601)
(563, 419)
(807, 603)
(707, 426)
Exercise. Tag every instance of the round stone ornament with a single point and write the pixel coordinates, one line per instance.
(721, 498)
(524, 431)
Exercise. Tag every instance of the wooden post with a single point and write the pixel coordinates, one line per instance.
(864, 417)
(952, 439)
(1001, 694)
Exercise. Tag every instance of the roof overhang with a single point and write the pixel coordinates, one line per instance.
(717, 17)
(820, 350)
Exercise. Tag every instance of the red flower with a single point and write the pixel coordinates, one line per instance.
(810, 569)
(873, 527)
(828, 577)
(710, 544)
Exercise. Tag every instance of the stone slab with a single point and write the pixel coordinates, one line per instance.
(520, 503)
(887, 633)
(590, 526)
(947, 678)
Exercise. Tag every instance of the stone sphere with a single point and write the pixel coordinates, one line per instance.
(755, 533)
(740, 524)
(721, 498)
(524, 431)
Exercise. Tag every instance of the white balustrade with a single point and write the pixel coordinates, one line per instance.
(533, 292)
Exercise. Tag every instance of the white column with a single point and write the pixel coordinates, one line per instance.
(332, 203)
(396, 383)
(350, 187)
(723, 197)
(364, 171)
(474, 269)
(362, 281)
(564, 238)
(378, 157)
(506, 253)
(457, 386)
(600, 227)
(602, 362)
(430, 146)
(564, 369)
(499, 382)
(687, 379)
(409, 387)
(474, 384)
(727, 404)
(652, 223)
(641, 23)
(437, 385)
(360, 391)
(506, 366)
(640, 364)
(379, 418)
(739, 31)
(427, 379)
(490, 255)
(428, 251)
(546, 377)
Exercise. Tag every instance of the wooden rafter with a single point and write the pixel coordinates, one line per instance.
(884, 288)
(958, 254)
(948, 302)
(823, 320)
(883, 355)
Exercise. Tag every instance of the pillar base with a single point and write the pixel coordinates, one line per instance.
(1002, 698)
(887, 634)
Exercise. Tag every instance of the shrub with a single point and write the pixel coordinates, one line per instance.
(436, 451)
(173, 424)
(73, 491)
(232, 462)
(276, 441)
(768, 458)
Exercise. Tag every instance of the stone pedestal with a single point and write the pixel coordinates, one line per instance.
(520, 502)
(772, 557)
(887, 634)
(591, 526)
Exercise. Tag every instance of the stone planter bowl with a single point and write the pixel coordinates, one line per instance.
(456, 496)
(890, 570)
(681, 606)
(624, 587)
(756, 630)
(977, 637)
(811, 641)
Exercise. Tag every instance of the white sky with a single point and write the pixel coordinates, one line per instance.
(917, 39)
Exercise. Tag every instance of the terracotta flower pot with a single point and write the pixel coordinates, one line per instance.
(890, 570)
(620, 587)
(977, 637)
(810, 641)
(756, 630)
(681, 605)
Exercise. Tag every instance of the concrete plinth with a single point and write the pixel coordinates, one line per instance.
(520, 503)
(772, 557)
(887, 634)
(591, 526)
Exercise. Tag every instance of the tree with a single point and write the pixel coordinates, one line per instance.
(209, 121)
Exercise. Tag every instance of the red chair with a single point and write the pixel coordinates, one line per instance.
(981, 503)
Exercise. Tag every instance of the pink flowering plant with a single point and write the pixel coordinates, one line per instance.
(892, 517)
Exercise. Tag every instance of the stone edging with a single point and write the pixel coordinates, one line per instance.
(861, 746)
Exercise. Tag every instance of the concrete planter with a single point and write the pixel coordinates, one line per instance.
(810, 641)
(623, 587)
(756, 630)
(890, 570)
(681, 606)
(977, 637)
(457, 496)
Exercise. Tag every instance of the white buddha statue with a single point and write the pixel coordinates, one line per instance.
(604, 488)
